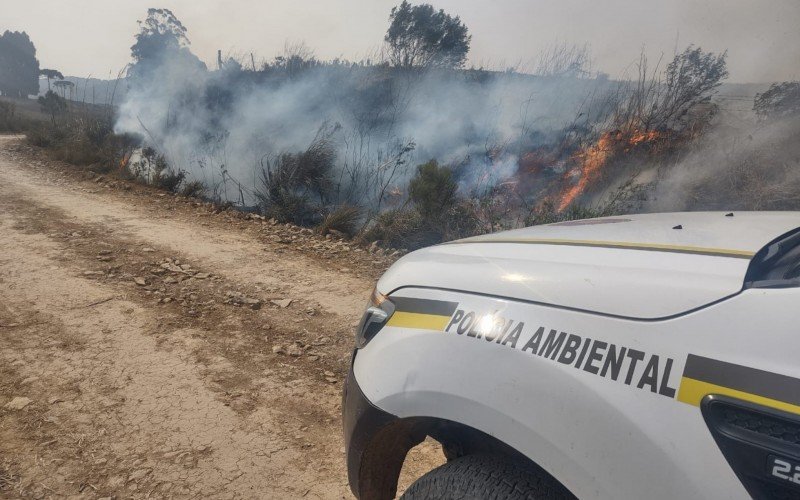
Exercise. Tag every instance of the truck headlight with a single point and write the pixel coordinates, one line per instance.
(378, 312)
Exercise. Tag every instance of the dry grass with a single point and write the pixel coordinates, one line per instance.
(8, 480)
(344, 219)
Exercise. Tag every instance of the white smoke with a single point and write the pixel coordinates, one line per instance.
(219, 126)
(741, 163)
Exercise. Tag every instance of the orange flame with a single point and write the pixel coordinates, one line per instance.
(592, 159)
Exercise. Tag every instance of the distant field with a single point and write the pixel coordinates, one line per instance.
(27, 108)
(30, 109)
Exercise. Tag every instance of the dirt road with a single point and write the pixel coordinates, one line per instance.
(152, 348)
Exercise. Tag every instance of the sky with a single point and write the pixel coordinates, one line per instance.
(82, 37)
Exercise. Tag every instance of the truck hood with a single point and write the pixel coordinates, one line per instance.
(644, 267)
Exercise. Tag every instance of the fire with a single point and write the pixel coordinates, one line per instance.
(123, 162)
(591, 160)
(639, 137)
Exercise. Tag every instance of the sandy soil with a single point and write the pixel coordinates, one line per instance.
(148, 347)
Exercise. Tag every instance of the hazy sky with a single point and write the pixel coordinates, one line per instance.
(80, 37)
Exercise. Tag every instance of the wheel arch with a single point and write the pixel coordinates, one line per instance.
(385, 453)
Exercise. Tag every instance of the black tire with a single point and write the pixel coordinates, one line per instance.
(484, 477)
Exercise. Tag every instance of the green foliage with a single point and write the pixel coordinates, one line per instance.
(52, 104)
(437, 213)
(161, 36)
(50, 74)
(161, 30)
(19, 68)
(420, 36)
(432, 189)
(779, 101)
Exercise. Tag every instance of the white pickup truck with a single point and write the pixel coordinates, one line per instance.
(632, 357)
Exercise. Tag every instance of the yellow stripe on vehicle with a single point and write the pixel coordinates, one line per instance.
(404, 319)
(693, 391)
(658, 247)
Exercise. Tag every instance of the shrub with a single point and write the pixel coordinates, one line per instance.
(169, 179)
(546, 213)
(458, 221)
(780, 100)
(285, 206)
(399, 228)
(344, 219)
(432, 189)
(44, 135)
(291, 180)
(193, 189)
(85, 139)
(10, 121)
(52, 105)
(153, 168)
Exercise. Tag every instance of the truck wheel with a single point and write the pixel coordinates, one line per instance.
(484, 477)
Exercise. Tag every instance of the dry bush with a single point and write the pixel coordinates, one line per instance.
(10, 120)
(398, 228)
(84, 139)
(748, 185)
(152, 168)
(670, 101)
(169, 180)
(547, 213)
(193, 189)
(11, 483)
(294, 185)
(564, 60)
(408, 228)
(344, 219)
(781, 100)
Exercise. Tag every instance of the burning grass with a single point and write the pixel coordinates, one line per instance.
(592, 162)
(361, 177)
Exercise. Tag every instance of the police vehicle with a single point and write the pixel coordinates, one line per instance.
(637, 357)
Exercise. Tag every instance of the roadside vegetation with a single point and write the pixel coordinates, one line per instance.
(636, 144)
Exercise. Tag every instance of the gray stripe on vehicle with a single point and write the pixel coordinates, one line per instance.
(742, 378)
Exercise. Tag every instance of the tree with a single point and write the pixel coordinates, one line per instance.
(52, 104)
(680, 101)
(161, 37)
(419, 36)
(19, 68)
(51, 74)
(692, 78)
(779, 101)
(65, 86)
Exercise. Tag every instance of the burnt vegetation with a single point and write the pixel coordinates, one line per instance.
(407, 148)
